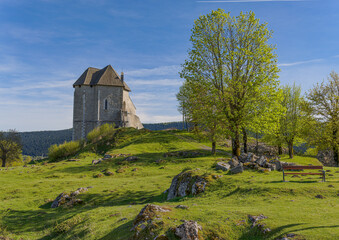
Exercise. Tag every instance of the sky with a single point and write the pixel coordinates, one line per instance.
(45, 45)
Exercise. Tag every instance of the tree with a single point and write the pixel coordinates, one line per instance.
(233, 57)
(291, 122)
(201, 109)
(10, 147)
(324, 102)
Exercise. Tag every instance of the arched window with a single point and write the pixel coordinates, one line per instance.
(106, 104)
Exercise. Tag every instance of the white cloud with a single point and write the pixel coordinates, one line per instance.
(299, 63)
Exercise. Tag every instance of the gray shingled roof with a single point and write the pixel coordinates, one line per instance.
(104, 77)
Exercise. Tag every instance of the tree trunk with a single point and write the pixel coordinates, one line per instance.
(245, 139)
(257, 143)
(236, 144)
(3, 160)
(290, 149)
(335, 148)
(213, 147)
(279, 149)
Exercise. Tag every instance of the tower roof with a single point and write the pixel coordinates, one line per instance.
(101, 77)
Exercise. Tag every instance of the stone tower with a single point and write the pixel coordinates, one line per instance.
(102, 96)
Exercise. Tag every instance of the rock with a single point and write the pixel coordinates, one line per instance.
(120, 170)
(99, 175)
(94, 162)
(277, 164)
(320, 196)
(326, 157)
(131, 158)
(135, 169)
(108, 156)
(238, 169)
(68, 199)
(147, 221)
(108, 173)
(149, 212)
(78, 191)
(243, 157)
(182, 206)
(255, 219)
(189, 230)
(261, 161)
(223, 166)
(233, 162)
(186, 183)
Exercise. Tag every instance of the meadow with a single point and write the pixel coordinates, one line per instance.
(113, 202)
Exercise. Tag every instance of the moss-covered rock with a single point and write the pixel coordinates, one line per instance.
(187, 183)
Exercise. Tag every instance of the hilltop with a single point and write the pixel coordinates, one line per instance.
(112, 203)
(36, 143)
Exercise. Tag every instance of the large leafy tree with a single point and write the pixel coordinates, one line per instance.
(10, 147)
(232, 55)
(324, 103)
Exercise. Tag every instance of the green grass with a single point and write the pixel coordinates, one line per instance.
(114, 201)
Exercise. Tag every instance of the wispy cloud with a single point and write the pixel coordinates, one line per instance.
(299, 62)
(249, 1)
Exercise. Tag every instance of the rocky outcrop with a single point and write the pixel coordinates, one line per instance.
(185, 184)
(250, 161)
(189, 230)
(326, 157)
(68, 200)
(148, 222)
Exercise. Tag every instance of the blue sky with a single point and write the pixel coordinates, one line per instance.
(45, 45)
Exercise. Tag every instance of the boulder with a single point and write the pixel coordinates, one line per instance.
(108, 156)
(261, 161)
(223, 166)
(237, 169)
(68, 199)
(233, 162)
(147, 221)
(95, 161)
(277, 164)
(243, 157)
(186, 183)
(326, 157)
(131, 158)
(189, 230)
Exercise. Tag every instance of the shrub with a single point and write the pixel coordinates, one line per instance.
(64, 150)
(311, 152)
(103, 132)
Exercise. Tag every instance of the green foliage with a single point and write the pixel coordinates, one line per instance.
(103, 132)
(10, 148)
(311, 152)
(232, 59)
(324, 114)
(64, 150)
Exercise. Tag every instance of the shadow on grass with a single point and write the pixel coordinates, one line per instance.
(120, 233)
(144, 159)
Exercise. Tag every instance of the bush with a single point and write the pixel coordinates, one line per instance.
(64, 150)
(103, 132)
(311, 152)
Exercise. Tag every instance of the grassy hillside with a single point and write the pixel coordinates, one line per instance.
(114, 201)
(37, 143)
